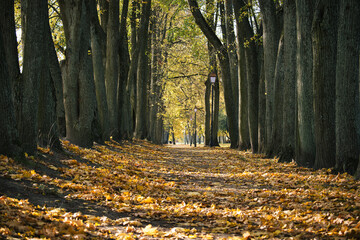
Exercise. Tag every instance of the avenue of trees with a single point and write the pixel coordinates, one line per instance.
(298, 85)
(288, 70)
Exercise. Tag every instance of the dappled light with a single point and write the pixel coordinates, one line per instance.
(135, 190)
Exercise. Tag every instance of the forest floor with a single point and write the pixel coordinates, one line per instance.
(137, 190)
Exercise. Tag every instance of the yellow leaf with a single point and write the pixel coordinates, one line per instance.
(148, 200)
(150, 231)
(246, 235)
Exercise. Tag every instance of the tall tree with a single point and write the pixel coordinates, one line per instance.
(277, 129)
(324, 36)
(7, 21)
(230, 42)
(271, 33)
(97, 41)
(347, 87)
(10, 79)
(223, 57)
(142, 73)
(125, 124)
(36, 15)
(51, 114)
(250, 79)
(305, 139)
(56, 81)
(112, 65)
(288, 130)
(8, 131)
(79, 90)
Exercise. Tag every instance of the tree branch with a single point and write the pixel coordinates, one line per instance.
(204, 26)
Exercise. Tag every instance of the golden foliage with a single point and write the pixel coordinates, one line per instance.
(201, 193)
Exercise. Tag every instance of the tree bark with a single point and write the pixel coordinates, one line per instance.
(112, 65)
(262, 104)
(244, 137)
(7, 23)
(270, 43)
(141, 96)
(324, 37)
(305, 139)
(97, 41)
(289, 103)
(8, 141)
(79, 90)
(11, 81)
(277, 129)
(347, 87)
(125, 123)
(56, 78)
(33, 67)
(232, 51)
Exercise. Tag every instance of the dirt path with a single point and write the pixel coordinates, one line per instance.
(142, 191)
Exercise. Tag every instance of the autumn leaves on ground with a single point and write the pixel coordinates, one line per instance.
(143, 191)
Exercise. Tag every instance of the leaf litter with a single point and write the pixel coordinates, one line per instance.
(147, 191)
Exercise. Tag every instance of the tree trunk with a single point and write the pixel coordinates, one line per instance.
(244, 137)
(277, 129)
(49, 108)
(324, 36)
(10, 79)
(305, 139)
(7, 23)
(270, 43)
(225, 70)
(289, 102)
(79, 90)
(97, 42)
(8, 131)
(262, 103)
(141, 95)
(347, 87)
(125, 125)
(252, 74)
(232, 51)
(131, 80)
(112, 65)
(56, 78)
(33, 67)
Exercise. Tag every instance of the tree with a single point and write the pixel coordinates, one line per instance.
(112, 64)
(79, 90)
(347, 88)
(305, 139)
(288, 129)
(11, 54)
(142, 73)
(223, 58)
(271, 34)
(324, 37)
(97, 45)
(36, 15)
(56, 79)
(278, 121)
(244, 137)
(245, 38)
(8, 131)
